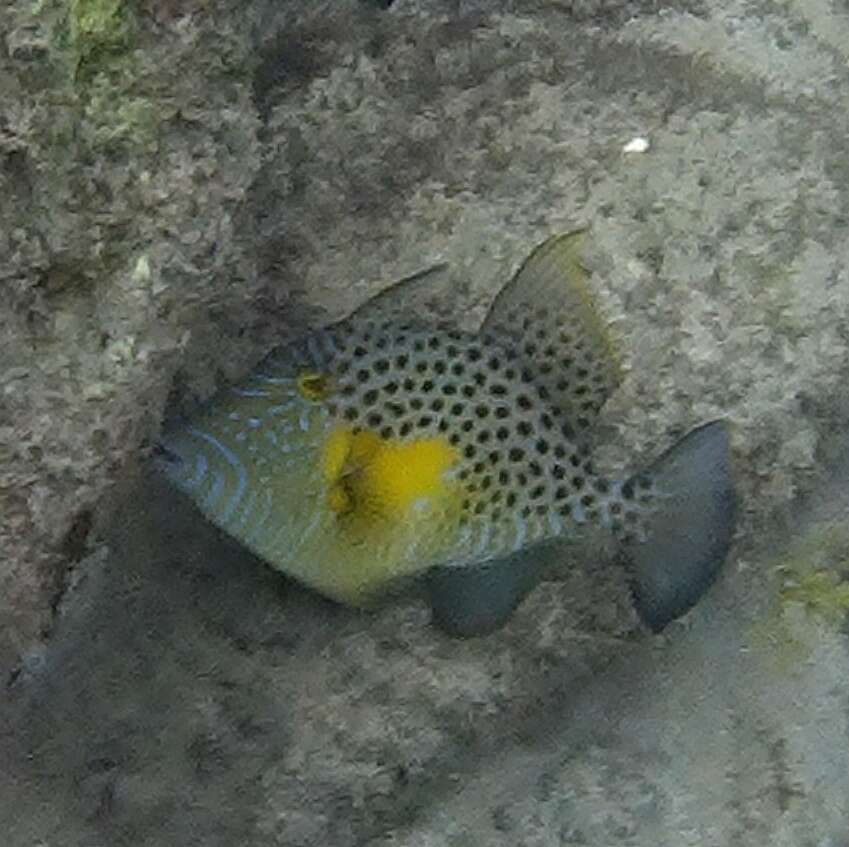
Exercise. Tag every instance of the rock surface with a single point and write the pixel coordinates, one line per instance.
(185, 186)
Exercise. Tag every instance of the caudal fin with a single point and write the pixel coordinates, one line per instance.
(689, 533)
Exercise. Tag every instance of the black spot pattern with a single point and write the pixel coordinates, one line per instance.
(479, 393)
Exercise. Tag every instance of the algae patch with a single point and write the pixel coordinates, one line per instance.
(98, 29)
(822, 593)
(815, 573)
(812, 595)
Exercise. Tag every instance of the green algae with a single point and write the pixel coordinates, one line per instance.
(815, 573)
(103, 93)
(100, 32)
(822, 593)
(811, 593)
(109, 77)
(116, 116)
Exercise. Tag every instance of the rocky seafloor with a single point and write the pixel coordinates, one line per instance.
(186, 184)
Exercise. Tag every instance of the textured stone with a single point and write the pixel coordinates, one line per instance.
(188, 186)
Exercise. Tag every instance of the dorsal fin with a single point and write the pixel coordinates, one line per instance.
(546, 312)
(423, 296)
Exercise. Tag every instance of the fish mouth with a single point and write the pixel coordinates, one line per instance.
(176, 462)
(162, 455)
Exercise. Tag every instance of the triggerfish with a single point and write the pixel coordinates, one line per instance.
(394, 445)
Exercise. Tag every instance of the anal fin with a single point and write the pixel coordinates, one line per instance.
(478, 599)
(471, 600)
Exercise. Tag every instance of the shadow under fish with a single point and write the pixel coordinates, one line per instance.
(393, 446)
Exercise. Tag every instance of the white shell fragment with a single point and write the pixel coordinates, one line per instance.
(636, 145)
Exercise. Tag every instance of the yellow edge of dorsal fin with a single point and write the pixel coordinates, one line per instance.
(553, 282)
(568, 248)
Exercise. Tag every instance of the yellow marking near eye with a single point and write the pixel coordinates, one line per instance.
(368, 476)
(314, 385)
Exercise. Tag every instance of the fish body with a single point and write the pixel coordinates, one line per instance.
(393, 444)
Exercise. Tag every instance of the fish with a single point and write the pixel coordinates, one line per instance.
(396, 446)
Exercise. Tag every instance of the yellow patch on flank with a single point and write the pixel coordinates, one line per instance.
(336, 450)
(369, 476)
(314, 385)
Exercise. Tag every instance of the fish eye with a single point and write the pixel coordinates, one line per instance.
(313, 385)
